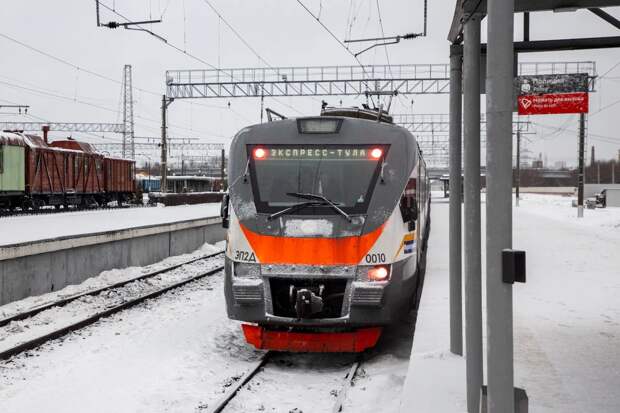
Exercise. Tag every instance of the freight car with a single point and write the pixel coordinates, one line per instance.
(35, 173)
(327, 220)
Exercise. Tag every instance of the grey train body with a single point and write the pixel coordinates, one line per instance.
(262, 287)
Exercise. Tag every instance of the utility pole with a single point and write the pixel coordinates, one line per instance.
(128, 130)
(582, 154)
(165, 102)
(518, 180)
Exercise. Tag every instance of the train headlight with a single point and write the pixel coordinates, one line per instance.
(244, 270)
(374, 273)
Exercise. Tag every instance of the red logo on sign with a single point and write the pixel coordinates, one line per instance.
(555, 103)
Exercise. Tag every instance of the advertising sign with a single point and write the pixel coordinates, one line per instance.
(552, 94)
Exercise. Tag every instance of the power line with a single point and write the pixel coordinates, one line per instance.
(236, 33)
(185, 52)
(91, 72)
(82, 102)
(335, 38)
(245, 42)
(387, 57)
(330, 32)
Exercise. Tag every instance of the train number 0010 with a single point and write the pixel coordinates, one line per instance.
(375, 258)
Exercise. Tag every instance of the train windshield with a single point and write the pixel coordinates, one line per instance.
(346, 175)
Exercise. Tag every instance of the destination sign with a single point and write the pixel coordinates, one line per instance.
(317, 153)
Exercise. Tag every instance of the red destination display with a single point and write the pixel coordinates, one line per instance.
(553, 103)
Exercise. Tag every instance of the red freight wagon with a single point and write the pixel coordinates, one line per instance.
(69, 172)
(120, 176)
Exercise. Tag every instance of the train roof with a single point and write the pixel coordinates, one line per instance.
(65, 145)
(13, 139)
(347, 130)
(74, 145)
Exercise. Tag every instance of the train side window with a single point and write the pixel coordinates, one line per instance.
(408, 204)
(1, 159)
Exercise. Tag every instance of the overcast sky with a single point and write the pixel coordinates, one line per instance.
(283, 34)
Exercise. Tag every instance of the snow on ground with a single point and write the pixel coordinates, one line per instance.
(567, 315)
(558, 208)
(19, 331)
(174, 354)
(104, 279)
(180, 353)
(27, 228)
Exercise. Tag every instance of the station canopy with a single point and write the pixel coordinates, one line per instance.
(465, 7)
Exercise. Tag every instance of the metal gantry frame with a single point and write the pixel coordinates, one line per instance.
(177, 146)
(64, 126)
(307, 81)
(332, 80)
(431, 132)
(440, 122)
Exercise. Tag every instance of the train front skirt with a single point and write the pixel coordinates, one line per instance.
(354, 341)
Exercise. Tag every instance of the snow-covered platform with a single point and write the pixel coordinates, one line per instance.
(44, 253)
(567, 315)
(29, 228)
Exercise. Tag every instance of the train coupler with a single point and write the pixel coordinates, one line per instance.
(354, 341)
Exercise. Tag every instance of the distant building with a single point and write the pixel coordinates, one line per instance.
(538, 163)
(559, 165)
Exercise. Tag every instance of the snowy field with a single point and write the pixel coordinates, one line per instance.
(567, 315)
(19, 229)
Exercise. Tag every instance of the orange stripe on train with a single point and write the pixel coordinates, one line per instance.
(311, 251)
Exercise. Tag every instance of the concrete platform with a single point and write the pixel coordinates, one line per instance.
(44, 265)
(567, 316)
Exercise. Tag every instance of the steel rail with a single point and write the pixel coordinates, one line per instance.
(233, 390)
(64, 301)
(36, 342)
(346, 384)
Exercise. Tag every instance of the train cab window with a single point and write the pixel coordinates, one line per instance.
(344, 174)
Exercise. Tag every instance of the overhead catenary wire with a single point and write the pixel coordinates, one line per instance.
(387, 56)
(192, 56)
(337, 40)
(247, 44)
(97, 106)
(85, 70)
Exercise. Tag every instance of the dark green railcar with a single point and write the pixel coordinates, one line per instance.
(12, 170)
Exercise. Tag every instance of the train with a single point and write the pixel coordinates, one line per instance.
(327, 220)
(35, 173)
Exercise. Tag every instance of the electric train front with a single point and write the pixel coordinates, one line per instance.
(317, 236)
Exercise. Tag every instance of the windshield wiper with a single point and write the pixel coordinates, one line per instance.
(324, 200)
(294, 208)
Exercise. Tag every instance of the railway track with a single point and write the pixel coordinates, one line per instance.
(107, 311)
(257, 366)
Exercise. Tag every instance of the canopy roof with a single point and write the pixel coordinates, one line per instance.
(464, 7)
